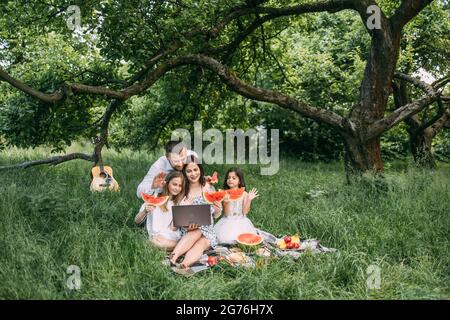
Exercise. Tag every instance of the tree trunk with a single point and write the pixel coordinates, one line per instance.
(98, 159)
(420, 145)
(362, 156)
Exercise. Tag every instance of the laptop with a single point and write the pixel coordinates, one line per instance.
(192, 214)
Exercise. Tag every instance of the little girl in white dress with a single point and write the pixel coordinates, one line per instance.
(159, 223)
(235, 219)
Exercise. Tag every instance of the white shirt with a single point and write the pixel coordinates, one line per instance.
(161, 165)
(160, 223)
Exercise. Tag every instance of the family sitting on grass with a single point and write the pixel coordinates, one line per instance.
(180, 176)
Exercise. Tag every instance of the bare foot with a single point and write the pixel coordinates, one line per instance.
(173, 259)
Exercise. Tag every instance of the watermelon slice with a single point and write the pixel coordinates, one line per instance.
(214, 178)
(249, 239)
(154, 201)
(211, 196)
(235, 194)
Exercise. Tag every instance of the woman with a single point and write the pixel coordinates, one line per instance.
(195, 239)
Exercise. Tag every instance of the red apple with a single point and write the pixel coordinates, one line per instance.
(287, 239)
(212, 261)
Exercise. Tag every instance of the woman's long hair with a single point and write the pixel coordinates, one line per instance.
(240, 175)
(193, 159)
(165, 190)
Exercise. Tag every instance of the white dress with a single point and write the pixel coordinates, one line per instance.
(233, 224)
(160, 223)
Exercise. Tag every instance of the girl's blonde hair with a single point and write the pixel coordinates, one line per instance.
(165, 191)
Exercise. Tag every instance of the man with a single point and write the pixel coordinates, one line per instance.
(175, 158)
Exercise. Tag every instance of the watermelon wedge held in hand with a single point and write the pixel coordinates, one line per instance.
(214, 178)
(211, 196)
(154, 201)
(234, 194)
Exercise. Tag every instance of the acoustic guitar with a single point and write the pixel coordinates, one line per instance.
(102, 179)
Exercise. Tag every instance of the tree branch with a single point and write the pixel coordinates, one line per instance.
(440, 123)
(441, 118)
(430, 90)
(270, 14)
(440, 83)
(228, 77)
(407, 11)
(50, 98)
(380, 126)
(401, 98)
(69, 88)
(437, 116)
(51, 161)
(318, 6)
(417, 82)
(260, 94)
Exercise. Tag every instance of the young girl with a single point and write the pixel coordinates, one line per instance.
(195, 239)
(159, 221)
(235, 221)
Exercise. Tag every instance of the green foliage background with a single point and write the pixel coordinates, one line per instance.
(318, 58)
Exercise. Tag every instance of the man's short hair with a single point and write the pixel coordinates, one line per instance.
(174, 147)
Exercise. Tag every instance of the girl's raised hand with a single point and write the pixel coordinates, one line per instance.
(253, 194)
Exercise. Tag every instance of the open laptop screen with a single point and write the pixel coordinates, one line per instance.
(185, 215)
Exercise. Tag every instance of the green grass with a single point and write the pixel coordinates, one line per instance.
(49, 220)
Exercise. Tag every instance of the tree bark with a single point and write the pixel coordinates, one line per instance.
(420, 146)
(361, 156)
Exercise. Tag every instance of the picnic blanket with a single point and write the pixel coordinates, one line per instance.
(237, 257)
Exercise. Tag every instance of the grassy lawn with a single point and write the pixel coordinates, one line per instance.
(49, 220)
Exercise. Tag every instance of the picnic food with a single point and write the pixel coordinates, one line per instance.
(263, 252)
(249, 239)
(237, 257)
(154, 201)
(211, 196)
(212, 261)
(235, 194)
(214, 178)
(289, 242)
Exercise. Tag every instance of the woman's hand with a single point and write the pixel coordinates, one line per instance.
(192, 227)
(253, 194)
(217, 207)
(149, 208)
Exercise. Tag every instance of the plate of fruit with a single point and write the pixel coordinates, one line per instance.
(289, 242)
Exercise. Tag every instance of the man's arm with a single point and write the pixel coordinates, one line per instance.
(146, 184)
